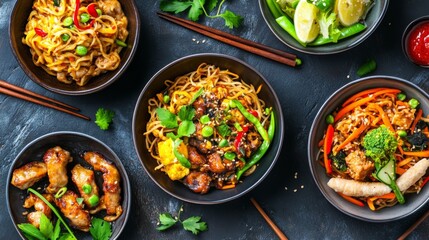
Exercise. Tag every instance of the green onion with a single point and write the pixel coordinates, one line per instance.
(81, 50)
(61, 192)
(229, 155)
(401, 96)
(120, 43)
(87, 188)
(84, 17)
(65, 37)
(223, 143)
(68, 22)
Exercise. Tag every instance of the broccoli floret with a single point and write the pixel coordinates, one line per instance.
(380, 145)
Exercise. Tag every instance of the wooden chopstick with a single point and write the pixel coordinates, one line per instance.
(244, 44)
(414, 226)
(270, 222)
(24, 94)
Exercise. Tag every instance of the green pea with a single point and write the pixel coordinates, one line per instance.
(166, 99)
(87, 188)
(84, 17)
(93, 200)
(65, 37)
(330, 119)
(99, 12)
(401, 133)
(223, 143)
(81, 50)
(120, 43)
(413, 103)
(207, 131)
(401, 96)
(68, 22)
(229, 155)
(205, 119)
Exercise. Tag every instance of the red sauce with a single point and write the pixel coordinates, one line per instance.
(418, 44)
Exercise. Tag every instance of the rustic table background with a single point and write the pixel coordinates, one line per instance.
(289, 194)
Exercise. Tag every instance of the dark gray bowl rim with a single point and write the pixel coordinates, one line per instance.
(126, 183)
(279, 121)
(117, 75)
(413, 24)
(312, 162)
(313, 50)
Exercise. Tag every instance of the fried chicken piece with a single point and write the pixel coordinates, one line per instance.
(56, 160)
(27, 175)
(72, 210)
(39, 207)
(111, 184)
(82, 176)
(198, 182)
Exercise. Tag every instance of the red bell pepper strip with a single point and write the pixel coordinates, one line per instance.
(92, 10)
(76, 18)
(40, 32)
(254, 113)
(239, 137)
(327, 145)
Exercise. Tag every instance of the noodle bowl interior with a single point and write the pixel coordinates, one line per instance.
(208, 128)
(76, 40)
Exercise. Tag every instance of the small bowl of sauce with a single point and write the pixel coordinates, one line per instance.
(415, 41)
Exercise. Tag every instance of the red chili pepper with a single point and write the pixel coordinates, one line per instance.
(254, 113)
(40, 32)
(327, 145)
(239, 137)
(76, 18)
(92, 10)
(424, 182)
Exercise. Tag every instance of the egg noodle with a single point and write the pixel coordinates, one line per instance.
(78, 49)
(209, 91)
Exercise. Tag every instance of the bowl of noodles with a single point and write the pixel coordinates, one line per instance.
(74, 47)
(207, 128)
(368, 148)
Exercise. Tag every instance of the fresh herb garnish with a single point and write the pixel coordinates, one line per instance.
(223, 130)
(168, 119)
(100, 229)
(103, 118)
(192, 224)
(46, 229)
(200, 7)
(367, 67)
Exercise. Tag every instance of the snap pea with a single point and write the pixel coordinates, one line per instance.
(253, 120)
(366, 67)
(344, 33)
(182, 159)
(274, 8)
(288, 26)
(261, 150)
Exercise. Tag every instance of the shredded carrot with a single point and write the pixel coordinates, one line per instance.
(370, 204)
(418, 154)
(355, 134)
(400, 149)
(352, 200)
(405, 161)
(327, 146)
(375, 121)
(228, 186)
(390, 195)
(384, 117)
(416, 119)
(352, 106)
(401, 103)
(321, 143)
(400, 170)
(384, 91)
(361, 94)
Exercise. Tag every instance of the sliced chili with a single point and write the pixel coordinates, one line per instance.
(327, 145)
(76, 18)
(424, 182)
(239, 137)
(92, 10)
(40, 32)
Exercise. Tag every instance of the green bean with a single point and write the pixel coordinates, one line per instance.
(367, 67)
(182, 159)
(344, 33)
(288, 26)
(252, 119)
(261, 150)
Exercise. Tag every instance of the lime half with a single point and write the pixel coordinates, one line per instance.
(305, 21)
(349, 11)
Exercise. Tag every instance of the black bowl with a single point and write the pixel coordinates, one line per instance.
(413, 201)
(156, 85)
(372, 21)
(76, 144)
(405, 37)
(22, 53)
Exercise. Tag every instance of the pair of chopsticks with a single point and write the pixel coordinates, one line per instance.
(414, 226)
(270, 222)
(24, 94)
(244, 44)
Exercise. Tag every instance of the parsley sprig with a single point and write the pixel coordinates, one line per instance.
(192, 224)
(103, 118)
(200, 7)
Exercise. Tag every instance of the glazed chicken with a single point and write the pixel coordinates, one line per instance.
(72, 210)
(81, 177)
(27, 175)
(56, 160)
(111, 185)
(39, 207)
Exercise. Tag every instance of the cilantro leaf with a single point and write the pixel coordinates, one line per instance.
(211, 5)
(174, 6)
(223, 130)
(100, 229)
(66, 236)
(103, 118)
(167, 119)
(232, 20)
(196, 9)
(57, 230)
(186, 113)
(30, 230)
(166, 221)
(186, 128)
(46, 227)
(194, 225)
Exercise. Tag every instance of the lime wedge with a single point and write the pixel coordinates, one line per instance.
(349, 11)
(305, 21)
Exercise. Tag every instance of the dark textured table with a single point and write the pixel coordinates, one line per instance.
(289, 194)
